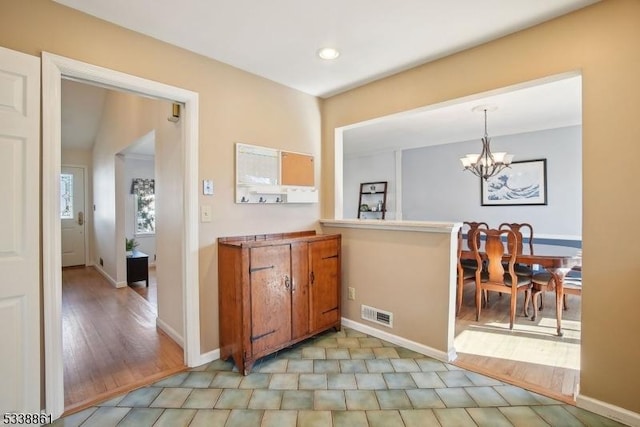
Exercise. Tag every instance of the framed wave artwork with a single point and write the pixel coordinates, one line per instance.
(524, 183)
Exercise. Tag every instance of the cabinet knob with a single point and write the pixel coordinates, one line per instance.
(287, 282)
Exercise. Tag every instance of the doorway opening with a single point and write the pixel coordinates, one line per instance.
(54, 69)
(417, 153)
(103, 305)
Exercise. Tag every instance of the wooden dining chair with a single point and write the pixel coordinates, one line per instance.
(465, 274)
(466, 267)
(469, 229)
(517, 245)
(493, 276)
(544, 281)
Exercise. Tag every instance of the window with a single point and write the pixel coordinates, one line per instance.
(145, 214)
(145, 205)
(66, 196)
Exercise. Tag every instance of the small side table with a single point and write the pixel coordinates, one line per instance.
(137, 267)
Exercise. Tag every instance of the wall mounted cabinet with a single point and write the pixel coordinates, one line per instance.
(275, 290)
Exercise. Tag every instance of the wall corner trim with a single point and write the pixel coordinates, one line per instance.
(608, 410)
(209, 356)
(106, 275)
(162, 325)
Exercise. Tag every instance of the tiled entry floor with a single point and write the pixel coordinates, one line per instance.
(341, 378)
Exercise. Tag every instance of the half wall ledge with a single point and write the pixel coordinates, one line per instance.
(405, 268)
(377, 224)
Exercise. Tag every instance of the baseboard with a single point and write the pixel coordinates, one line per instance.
(608, 410)
(403, 342)
(170, 331)
(106, 276)
(209, 357)
(203, 359)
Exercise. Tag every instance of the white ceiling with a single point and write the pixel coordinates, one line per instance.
(534, 107)
(279, 39)
(82, 106)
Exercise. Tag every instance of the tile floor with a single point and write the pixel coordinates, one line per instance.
(344, 378)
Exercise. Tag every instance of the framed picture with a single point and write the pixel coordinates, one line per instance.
(524, 183)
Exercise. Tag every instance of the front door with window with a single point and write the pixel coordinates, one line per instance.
(72, 216)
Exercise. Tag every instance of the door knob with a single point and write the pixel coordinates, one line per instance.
(80, 218)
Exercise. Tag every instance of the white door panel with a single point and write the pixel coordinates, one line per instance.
(19, 232)
(72, 221)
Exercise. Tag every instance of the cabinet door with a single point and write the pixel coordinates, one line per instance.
(270, 272)
(300, 289)
(324, 283)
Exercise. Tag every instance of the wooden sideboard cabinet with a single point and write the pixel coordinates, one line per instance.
(275, 290)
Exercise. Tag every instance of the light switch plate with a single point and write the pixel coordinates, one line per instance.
(207, 187)
(205, 213)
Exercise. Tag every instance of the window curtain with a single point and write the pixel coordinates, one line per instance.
(143, 187)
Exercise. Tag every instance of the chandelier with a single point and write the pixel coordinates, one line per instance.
(486, 164)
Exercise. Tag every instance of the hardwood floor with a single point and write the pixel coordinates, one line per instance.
(110, 340)
(150, 293)
(531, 356)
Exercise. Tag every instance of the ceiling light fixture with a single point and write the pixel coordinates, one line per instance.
(486, 164)
(328, 53)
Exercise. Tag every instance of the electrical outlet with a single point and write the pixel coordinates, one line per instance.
(352, 293)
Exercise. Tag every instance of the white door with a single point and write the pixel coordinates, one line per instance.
(19, 232)
(72, 215)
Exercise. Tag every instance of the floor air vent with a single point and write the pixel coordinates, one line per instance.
(376, 315)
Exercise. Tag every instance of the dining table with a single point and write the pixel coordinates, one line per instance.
(557, 260)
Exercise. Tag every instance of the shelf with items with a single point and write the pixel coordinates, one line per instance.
(270, 194)
(372, 203)
(271, 176)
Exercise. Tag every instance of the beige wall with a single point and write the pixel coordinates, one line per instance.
(170, 220)
(125, 118)
(235, 106)
(405, 272)
(601, 41)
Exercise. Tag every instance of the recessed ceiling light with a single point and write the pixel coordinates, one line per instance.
(328, 53)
